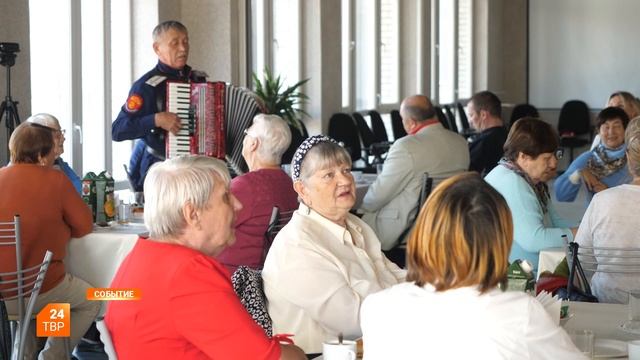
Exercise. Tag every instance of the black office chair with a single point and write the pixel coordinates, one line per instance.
(442, 118)
(371, 146)
(377, 125)
(396, 125)
(522, 110)
(573, 124)
(464, 122)
(343, 129)
(451, 118)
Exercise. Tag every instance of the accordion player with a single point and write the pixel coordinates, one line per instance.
(213, 116)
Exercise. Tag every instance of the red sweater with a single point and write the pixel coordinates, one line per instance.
(51, 212)
(187, 310)
(258, 191)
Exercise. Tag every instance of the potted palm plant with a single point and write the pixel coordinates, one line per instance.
(284, 102)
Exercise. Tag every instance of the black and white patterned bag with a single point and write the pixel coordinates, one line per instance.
(247, 283)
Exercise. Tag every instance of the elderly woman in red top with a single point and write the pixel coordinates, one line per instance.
(259, 190)
(51, 212)
(188, 308)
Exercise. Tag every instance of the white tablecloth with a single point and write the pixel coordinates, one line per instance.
(96, 257)
(549, 259)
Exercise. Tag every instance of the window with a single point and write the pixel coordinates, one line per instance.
(389, 51)
(83, 78)
(275, 38)
(370, 54)
(453, 55)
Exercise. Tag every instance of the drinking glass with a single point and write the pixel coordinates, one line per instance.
(584, 340)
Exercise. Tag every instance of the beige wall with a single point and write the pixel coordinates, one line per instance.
(500, 52)
(14, 15)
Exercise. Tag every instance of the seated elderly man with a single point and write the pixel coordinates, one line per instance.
(52, 122)
(325, 261)
(188, 308)
(391, 203)
(259, 190)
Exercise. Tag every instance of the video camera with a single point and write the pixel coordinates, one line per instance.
(8, 52)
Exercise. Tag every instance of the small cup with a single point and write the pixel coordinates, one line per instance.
(634, 349)
(584, 340)
(379, 168)
(333, 350)
(124, 213)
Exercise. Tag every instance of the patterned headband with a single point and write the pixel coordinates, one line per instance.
(302, 151)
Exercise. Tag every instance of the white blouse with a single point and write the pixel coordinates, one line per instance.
(411, 322)
(317, 274)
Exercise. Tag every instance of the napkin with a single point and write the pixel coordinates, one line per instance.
(552, 304)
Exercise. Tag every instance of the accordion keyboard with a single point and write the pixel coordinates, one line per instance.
(178, 103)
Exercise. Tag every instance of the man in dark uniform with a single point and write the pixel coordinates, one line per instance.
(143, 115)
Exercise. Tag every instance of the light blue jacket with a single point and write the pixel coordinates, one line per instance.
(532, 229)
(567, 191)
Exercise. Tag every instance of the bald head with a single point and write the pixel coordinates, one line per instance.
(415, 110)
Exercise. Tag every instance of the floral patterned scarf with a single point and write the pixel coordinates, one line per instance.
(604, 162)
(540, 189)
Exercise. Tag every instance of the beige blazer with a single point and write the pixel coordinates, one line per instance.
(391, 203)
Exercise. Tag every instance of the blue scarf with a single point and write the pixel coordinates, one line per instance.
(604, 162)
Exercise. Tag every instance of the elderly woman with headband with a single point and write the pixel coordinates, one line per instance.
(451, 306)
(530, 160)
(600, 168)
(325, 261)
(52, 122)
(611, 220)
(188, 308)
(259, 190)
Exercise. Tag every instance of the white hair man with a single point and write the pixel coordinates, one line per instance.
(264, 187)
(52, 122)
(187, 295)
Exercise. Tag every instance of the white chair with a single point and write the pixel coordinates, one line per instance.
(105, 337)
(17, 285)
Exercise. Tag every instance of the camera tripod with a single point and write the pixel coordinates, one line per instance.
(9, 108)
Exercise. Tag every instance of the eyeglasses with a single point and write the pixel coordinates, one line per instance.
(559, 154)
(246, 133)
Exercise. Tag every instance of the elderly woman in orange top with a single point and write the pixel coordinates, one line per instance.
(51, 212)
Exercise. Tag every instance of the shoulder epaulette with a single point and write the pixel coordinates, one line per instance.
(155, 80)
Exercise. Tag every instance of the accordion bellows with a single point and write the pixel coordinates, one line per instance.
(214, 116)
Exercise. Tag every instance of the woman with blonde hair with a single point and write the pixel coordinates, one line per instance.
(451, 306)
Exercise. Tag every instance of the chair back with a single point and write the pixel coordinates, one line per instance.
(396, 125)
(278, 220)
(10, 237)
(464, 122)
(344, 129)
(451, 118)
(523, 110)
(574, 118)
(105, 337)
(366, 134)
(425, 190)
(442, 118)
(16, 285)
(377, 125)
